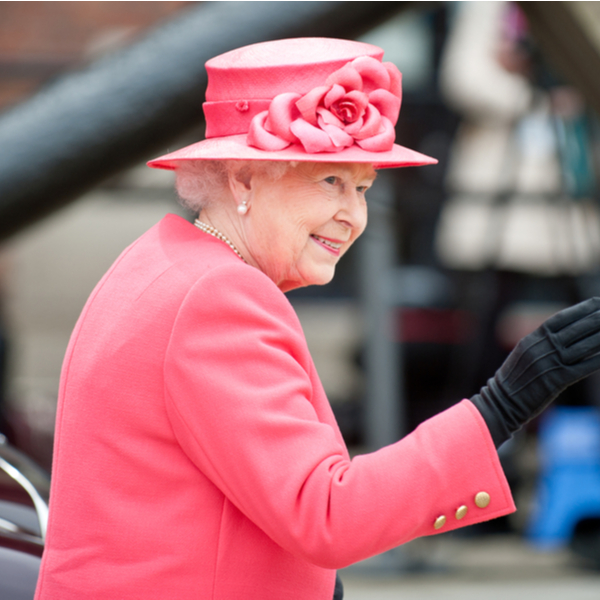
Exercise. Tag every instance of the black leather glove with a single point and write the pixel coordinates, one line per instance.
(563, 350)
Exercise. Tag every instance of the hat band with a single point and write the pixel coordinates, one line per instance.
(231, 117)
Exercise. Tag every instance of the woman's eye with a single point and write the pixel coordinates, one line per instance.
(331, 180)
(362, 189)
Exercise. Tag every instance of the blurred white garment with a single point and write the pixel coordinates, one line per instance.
(506, 208)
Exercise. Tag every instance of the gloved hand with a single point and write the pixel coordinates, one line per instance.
(563, 350)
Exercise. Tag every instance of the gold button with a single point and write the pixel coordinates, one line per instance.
(482, 499)
(461, 512)
(439, 522)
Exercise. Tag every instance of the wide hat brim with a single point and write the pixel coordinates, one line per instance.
(235, 147)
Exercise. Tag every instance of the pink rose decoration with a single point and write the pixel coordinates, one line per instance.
(359, 104)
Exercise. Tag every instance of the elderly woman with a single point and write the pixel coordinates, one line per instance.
(196, 453)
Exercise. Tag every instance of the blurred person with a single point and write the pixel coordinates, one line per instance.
(196, 454)
(520, 180)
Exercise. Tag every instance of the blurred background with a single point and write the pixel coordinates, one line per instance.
(459, 260)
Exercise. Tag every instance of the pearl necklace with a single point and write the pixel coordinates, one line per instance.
(216, 233)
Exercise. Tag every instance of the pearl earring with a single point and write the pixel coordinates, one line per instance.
(242, 208)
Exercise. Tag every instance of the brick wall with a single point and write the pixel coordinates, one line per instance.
(40, 40)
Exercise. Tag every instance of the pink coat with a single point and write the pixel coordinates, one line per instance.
(197, 455)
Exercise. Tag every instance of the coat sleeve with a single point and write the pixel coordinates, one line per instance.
(239, 397)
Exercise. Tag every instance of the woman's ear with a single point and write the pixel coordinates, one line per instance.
(240, 185)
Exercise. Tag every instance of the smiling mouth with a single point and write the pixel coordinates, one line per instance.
(333, 246)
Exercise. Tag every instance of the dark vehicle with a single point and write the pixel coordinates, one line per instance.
(24, 491)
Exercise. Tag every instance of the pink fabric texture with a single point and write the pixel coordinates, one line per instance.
(317, 99)
(197, 455)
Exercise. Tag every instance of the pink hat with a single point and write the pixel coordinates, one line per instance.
(303, 99)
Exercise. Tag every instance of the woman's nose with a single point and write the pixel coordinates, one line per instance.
(353, 212)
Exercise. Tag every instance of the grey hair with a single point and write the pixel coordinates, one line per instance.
(201, 182)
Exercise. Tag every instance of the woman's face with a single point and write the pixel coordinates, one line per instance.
(299, 226)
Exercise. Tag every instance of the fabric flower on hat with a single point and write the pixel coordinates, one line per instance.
(359, 104)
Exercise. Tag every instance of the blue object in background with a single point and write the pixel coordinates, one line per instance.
(569, 486)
